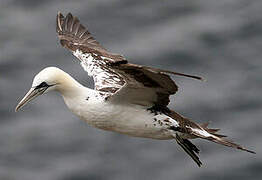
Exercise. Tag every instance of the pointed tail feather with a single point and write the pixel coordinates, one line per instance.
(209, 134)
(228, 143)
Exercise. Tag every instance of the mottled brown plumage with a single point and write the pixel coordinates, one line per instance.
(144, 85)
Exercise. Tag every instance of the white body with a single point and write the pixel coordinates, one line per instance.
(134, 120)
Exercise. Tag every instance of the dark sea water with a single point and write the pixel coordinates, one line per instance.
(219, 40)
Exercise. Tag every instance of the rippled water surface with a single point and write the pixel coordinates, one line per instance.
(219, 40)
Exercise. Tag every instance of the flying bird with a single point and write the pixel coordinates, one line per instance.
(128, 98)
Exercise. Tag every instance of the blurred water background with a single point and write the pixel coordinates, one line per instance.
(219, 40)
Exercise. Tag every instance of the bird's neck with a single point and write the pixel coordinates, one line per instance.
(69, 87)
(78, 98)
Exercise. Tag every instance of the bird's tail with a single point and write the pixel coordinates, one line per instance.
(211, 135)
(189, 129)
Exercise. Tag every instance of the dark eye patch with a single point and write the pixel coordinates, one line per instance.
(42, 85)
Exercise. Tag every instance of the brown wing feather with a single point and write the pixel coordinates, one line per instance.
(137, 84)
(74, 36)
(156, 86)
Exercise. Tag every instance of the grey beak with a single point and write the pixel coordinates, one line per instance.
(32, 94)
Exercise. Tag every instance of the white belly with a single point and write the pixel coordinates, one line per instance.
(132, 120)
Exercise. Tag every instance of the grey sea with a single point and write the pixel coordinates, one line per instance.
(218, 40)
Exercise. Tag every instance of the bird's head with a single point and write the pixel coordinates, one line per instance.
(46, 80)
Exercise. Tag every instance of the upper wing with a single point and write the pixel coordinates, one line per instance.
(94, 58)
(111, 72)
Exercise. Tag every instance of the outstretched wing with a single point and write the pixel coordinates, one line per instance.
(111, 72)
(93, 57)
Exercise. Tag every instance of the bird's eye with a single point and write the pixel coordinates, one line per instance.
(42, 85)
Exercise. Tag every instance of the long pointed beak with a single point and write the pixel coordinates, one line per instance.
(32, 94)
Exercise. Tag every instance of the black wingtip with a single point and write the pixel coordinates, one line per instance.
(68, 17)
(244, 149)
(190, 76)
(178, 74)
(69, 14)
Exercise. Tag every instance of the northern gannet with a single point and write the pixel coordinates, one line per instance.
(128, 98)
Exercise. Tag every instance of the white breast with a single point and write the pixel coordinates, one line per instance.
(133, 120)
